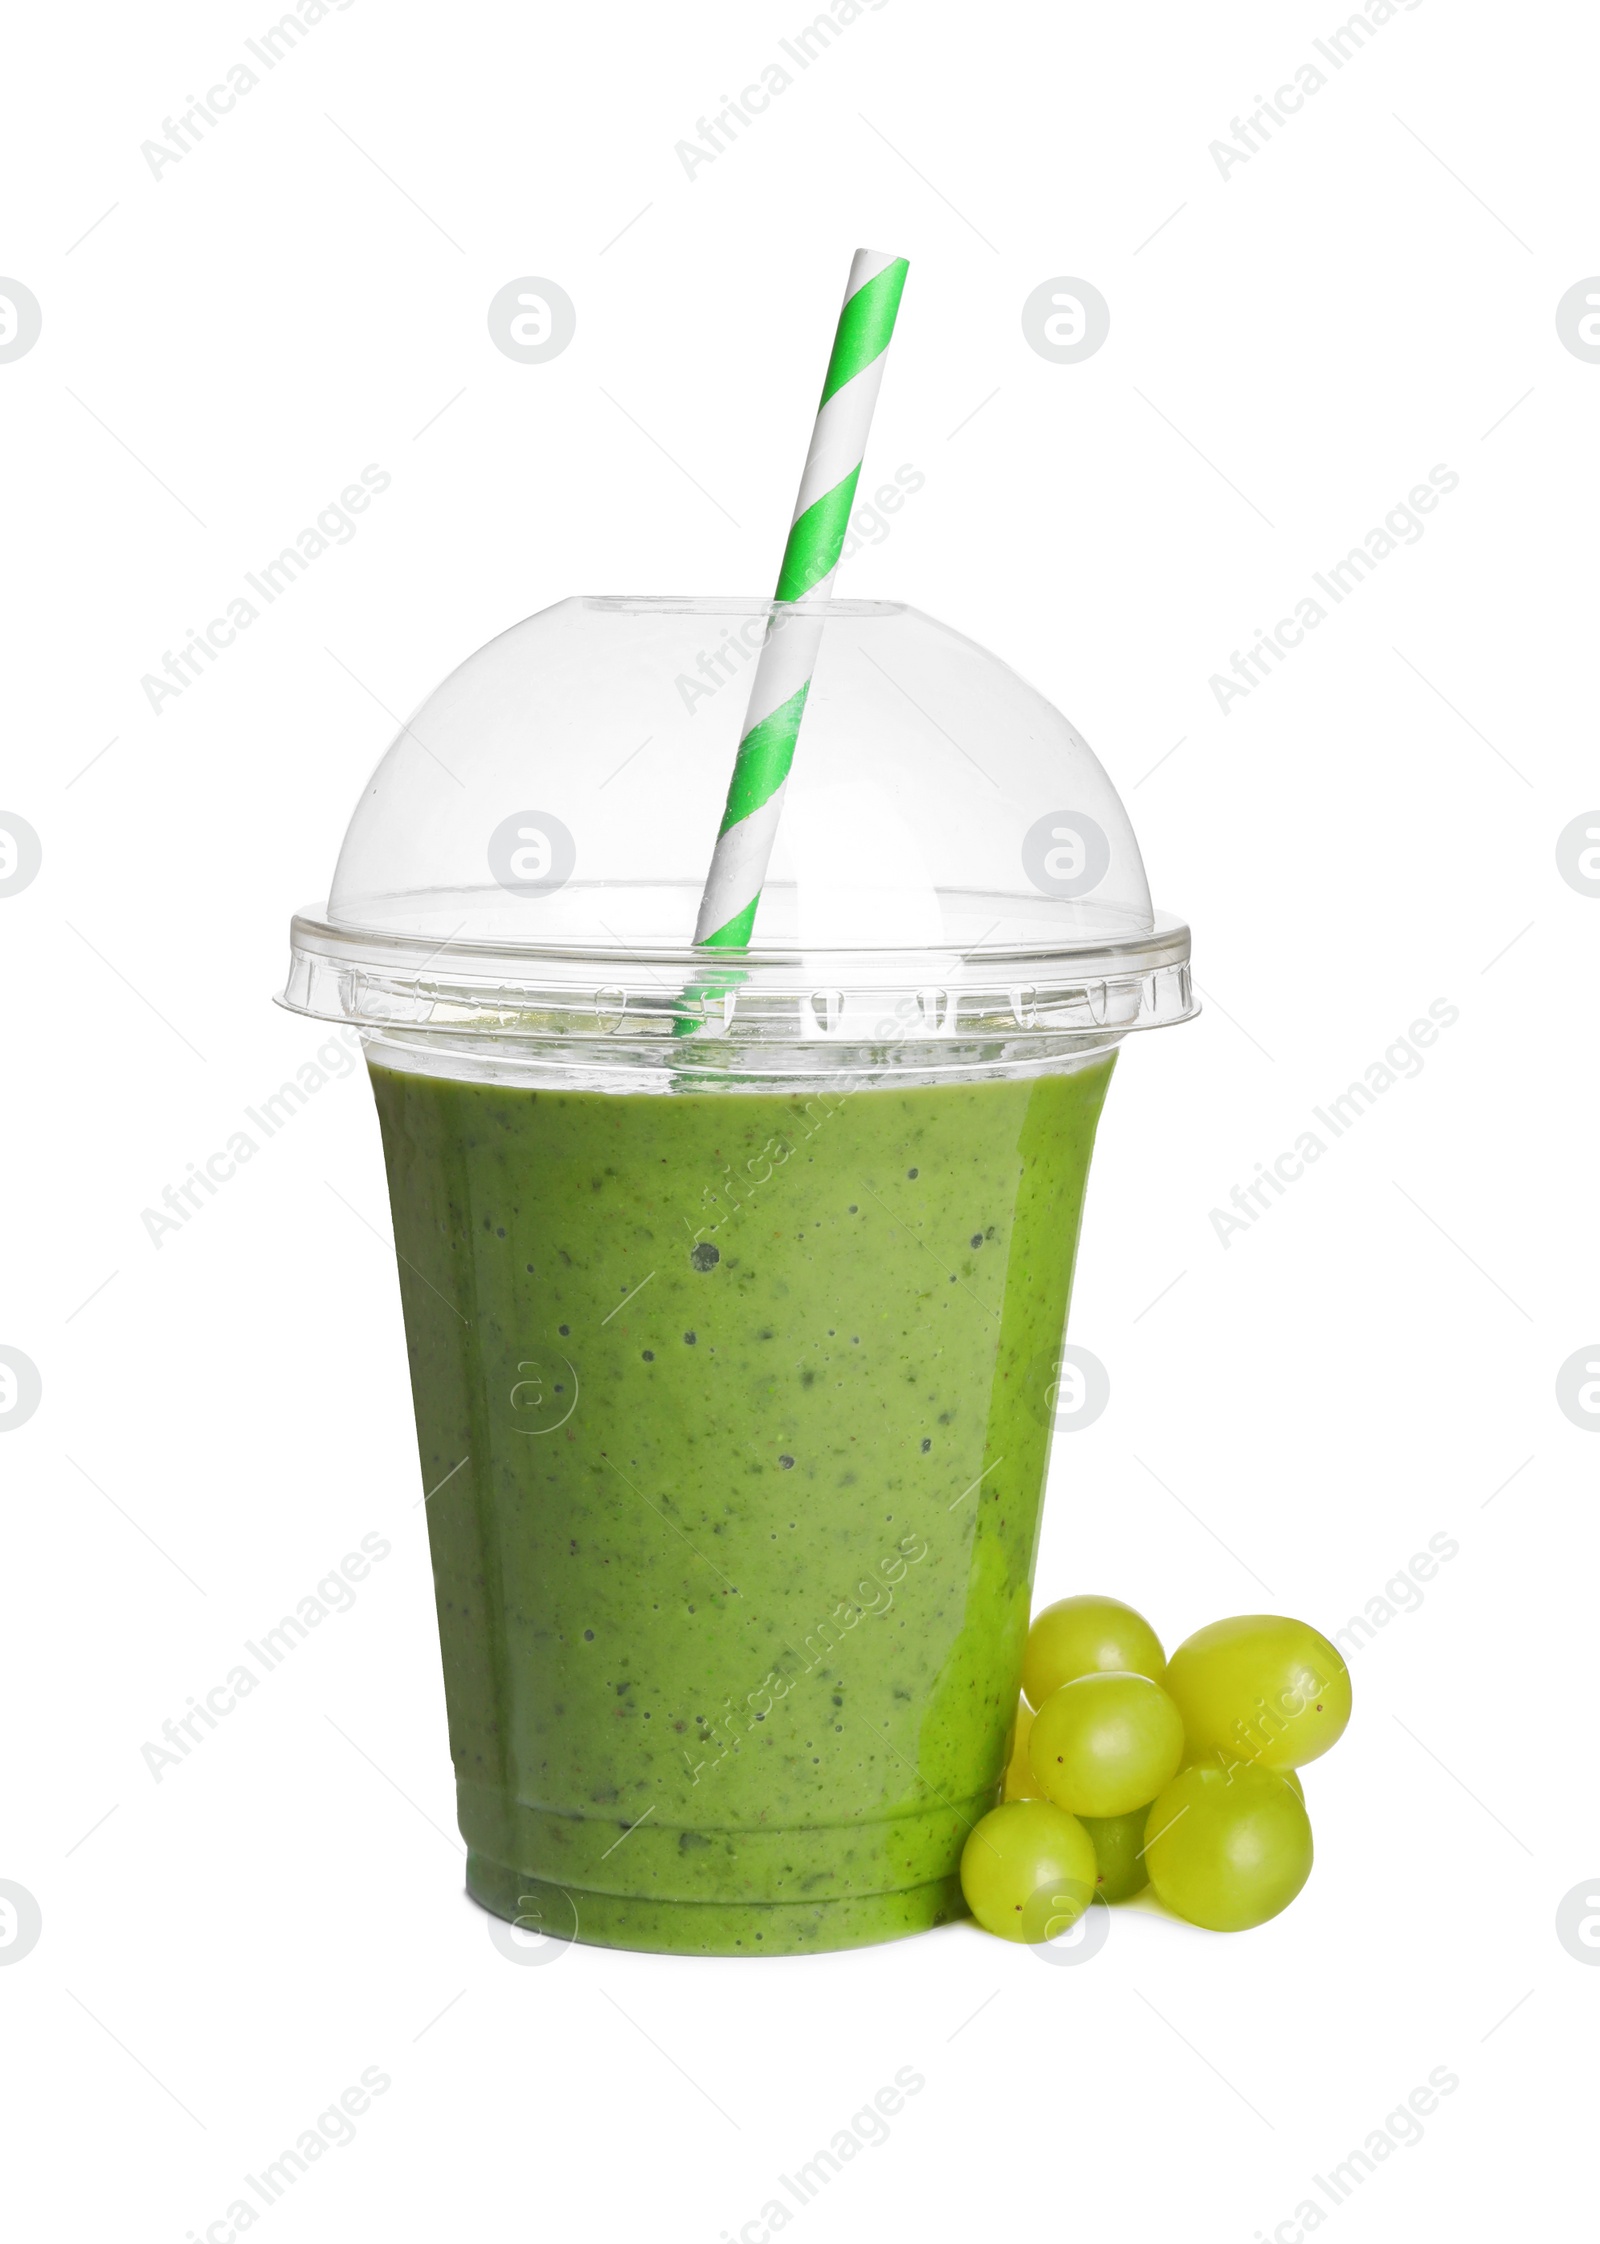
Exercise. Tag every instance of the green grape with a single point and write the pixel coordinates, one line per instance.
(1227, 1848)
(1028, 1871)
(1119, 1851)
(1105, 1744)
(1220, 1759)
(1020, 1783)
(1261, 1688)
(1083, 1635)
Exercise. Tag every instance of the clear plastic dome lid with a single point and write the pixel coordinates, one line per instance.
(527, 860)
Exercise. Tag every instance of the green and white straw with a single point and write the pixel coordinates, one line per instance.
(788, 653)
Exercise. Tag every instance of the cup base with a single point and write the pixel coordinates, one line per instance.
(709, 1928)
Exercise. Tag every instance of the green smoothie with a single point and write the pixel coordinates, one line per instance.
(735, 1408)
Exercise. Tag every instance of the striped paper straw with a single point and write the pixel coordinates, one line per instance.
(789, 652)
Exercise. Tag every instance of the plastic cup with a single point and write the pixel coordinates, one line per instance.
(734, 1355)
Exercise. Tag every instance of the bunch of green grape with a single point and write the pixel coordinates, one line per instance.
(1128, 1769)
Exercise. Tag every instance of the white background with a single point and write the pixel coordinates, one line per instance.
(1292, 348)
